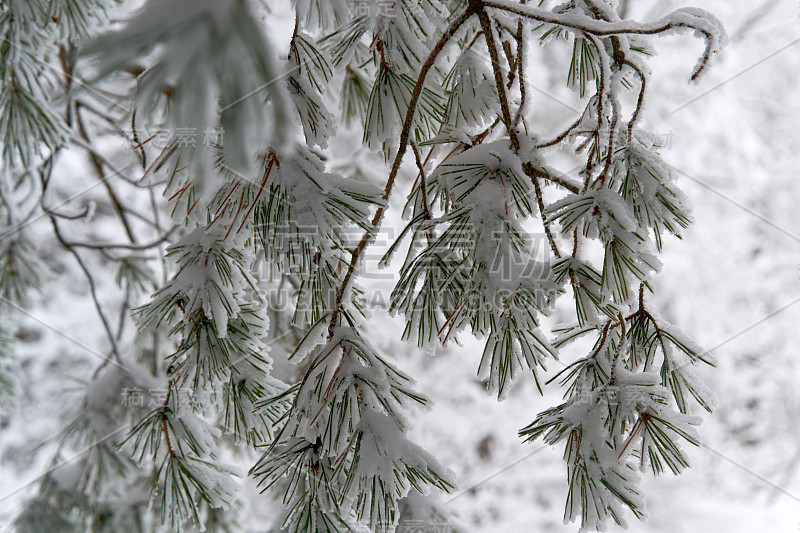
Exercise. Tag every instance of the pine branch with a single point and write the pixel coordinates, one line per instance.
(404, 139)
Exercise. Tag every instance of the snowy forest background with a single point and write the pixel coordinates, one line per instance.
(733, 284)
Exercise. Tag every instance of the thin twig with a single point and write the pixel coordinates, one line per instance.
(98, 167)
(639, 100)
(124, 246)
(89, 278)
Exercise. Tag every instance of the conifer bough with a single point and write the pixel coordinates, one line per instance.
(444, 81)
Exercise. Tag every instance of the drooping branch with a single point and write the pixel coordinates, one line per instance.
(506, 115)
(401, 149)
